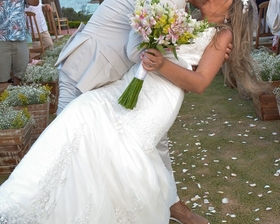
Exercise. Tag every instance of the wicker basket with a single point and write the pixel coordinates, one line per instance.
(266, 105)
(14, 144)
(40, 113)
(278, 103)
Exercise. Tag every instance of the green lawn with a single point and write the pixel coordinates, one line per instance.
(223, 153)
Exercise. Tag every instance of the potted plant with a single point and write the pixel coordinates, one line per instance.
(267, 68)
(15, 136)
(45, 74)
(267, 65)
(34, 97)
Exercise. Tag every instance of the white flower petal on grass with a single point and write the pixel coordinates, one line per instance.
(225, 200)
(277, 174)
(231, 215)
(196, 205)
(206, 201)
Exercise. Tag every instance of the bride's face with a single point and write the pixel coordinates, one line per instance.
(215, 11)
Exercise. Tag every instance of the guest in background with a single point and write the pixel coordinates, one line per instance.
(13, 46)
(42, 24)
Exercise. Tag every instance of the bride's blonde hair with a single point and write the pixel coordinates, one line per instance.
(242, 14)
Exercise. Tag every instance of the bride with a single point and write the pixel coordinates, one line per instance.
(97, 162)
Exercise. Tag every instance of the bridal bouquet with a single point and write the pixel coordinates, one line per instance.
(162, 26)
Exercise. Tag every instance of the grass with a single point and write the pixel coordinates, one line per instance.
(221, 151)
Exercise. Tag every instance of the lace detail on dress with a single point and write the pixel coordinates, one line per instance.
(147, 131)
(87, 208)
(127, 215)
(45, 201)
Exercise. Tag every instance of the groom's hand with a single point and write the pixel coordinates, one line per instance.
(228, 50)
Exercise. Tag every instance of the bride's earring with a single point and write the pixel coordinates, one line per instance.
(225, 20)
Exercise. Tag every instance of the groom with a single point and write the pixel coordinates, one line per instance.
(96, 55)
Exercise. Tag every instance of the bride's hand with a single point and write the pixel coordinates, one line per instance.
(152, 60)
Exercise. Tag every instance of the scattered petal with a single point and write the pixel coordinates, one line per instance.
(206, 201)
(224, 200)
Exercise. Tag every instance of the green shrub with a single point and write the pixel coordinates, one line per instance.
(11, 118)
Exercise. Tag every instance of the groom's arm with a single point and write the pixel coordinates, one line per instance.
(32, 2)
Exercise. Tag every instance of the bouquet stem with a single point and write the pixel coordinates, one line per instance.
(130, 95)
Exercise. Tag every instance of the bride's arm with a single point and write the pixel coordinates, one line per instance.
(194, 81)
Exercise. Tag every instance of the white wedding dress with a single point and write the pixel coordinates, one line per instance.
(97, 162)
